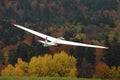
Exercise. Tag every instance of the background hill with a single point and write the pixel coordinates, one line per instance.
(88, 21)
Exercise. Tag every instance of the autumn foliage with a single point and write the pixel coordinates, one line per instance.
(84, 21)
(19, 69)
(102, 70)
(59, 65)
(114, 72)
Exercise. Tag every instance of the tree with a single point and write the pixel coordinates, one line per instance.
(65, 64)
(8, 71)
(102, 70)
(24, 51)
(20, 69)
(112, 56)
(2, 58)
(114, 72)
(38, 66)
(58, 65)
(86, 69)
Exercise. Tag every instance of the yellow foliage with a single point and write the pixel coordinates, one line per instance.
(22, 65)
(102, 42)
(41, 66)
(95, 42)
(8, 71)
(20, 69)
(73, 72)
(80, 36)
(64, 64)
(111, 36)
(60, 64)
(17, 71)
(114, 72)
(118, 36)
(33, 66)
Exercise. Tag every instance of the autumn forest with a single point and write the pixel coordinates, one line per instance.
(87, 21)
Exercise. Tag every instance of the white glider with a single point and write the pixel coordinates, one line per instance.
(55, 41)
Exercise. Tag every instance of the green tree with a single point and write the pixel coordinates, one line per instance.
(112, 56)
(2, 59)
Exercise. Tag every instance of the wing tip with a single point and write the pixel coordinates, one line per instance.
(15, 25)
(106, 47)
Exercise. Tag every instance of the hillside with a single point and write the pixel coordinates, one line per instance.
(87, 21)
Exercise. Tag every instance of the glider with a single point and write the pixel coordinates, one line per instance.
(54, 41)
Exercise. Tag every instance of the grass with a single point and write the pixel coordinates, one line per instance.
(43, 78)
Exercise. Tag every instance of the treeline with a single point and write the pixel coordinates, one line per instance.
(59, 12)
(58, 65)
(41, 66)
(87, 58)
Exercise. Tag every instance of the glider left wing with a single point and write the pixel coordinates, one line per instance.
(58, 41)
(36, 33)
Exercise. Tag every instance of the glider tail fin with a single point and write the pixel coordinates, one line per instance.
(46, 42)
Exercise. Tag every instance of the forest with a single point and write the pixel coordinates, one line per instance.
(87, 21)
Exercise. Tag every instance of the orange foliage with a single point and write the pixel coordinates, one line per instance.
(117, 23)
(83, 8)
(42, 6)
(52, 4)
(6, 2)
(61, 10)
(87, 41)
(99, 51)
(28, 39)
(58, 33)
(52, 28)
(15, 6)
(6, 51)
(99, 55)
(102, 70)
(1, 44)
(26, 24)
(2, 67)
(65, 48)
(28, 36)
(12, 21)
(54, 49)
(0, 27)
(21, 11)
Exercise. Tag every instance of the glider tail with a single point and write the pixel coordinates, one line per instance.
(46, 42)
